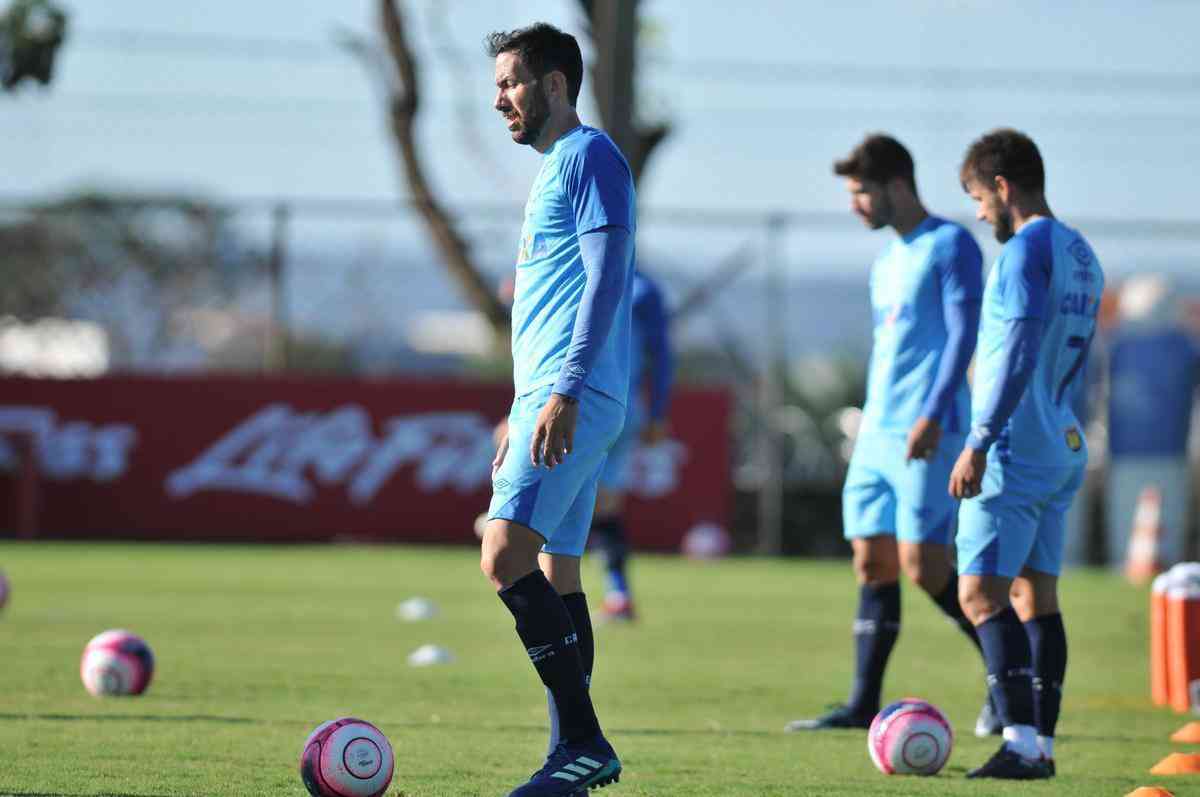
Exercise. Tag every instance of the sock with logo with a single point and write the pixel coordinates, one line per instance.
(875, 630)
(610, 534)
(544, 626)
(1048, 640)
(1010, 673)
(577, 607)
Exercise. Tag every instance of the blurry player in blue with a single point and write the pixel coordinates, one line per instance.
(1025, 456)
(570, 347)
(652, 368)
(925, 292)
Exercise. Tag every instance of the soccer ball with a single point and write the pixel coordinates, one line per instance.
(910, 737)
(116, 663)
(3, 589)
(346, 757)
(706, 541)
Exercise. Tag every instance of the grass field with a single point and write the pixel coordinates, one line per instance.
(257, 645)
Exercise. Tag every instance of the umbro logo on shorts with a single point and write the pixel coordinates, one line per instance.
(500, 484)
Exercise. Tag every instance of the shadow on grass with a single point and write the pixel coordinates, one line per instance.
(127, 717)
(75, 794)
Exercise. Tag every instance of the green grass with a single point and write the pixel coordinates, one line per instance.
(257, 645)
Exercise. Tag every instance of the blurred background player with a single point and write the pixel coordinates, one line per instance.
(1154, 371)
(925, 293)
(651, 368)
(570, 346)
(1025, 457)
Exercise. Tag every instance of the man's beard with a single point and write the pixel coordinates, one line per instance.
(1004, 227)
(533, 118)
(884, 213)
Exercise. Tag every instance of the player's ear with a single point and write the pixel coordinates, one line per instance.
(1002, 188)
(557, 87)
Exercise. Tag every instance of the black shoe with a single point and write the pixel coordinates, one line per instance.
(988, 722)
(1007, 764)
(839, 717)
(1050, 766)
(572, 769)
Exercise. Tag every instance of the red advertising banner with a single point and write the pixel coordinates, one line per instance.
(291, 459)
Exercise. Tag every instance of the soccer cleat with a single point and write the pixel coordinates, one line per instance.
(988, 722)
(840, 716)
(1007, 764)
(1050, 766)
(618, 607)
(572, 769)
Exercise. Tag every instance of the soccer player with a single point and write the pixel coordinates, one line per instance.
(570, 346)
(1024, 458)
(652, 368)
(925, 291)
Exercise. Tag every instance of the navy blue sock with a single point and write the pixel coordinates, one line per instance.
(544, 626)
(1009, 666)
(948, 603)
(577, 607)
(614, 543)
(1048, 639)
(875, 630)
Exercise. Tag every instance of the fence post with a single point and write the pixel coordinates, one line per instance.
(770, 496)
(276, 349)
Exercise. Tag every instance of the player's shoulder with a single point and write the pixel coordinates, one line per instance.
(1034, 241)
(587, 143)
(952, 236)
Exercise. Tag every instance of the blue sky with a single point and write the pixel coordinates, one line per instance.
(762, 99)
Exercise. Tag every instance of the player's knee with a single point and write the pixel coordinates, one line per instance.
(977, 601)
(927, 573)
(502, 566)
(874, 568)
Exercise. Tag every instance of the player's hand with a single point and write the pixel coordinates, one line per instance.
(554, 432)
(966, 480)
(923, 439)
(501, 448)
(654, 432)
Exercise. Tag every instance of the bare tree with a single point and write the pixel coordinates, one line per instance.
(613, 32)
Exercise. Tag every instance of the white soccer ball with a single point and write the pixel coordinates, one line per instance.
(429, 655)
(910, 737)
(116, 663)
(416, 609)
(346, 757)
(706, 541)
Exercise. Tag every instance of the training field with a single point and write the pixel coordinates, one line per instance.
(257, 645)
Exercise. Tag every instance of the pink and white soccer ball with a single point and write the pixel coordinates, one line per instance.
(346, 757)
(910, 737)
(706, 541)
(116, 662)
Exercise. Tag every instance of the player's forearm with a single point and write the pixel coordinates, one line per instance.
(962, 327)
(606, 254)
(662, 372)
(1016, 368)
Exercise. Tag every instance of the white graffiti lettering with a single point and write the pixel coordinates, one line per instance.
(67, 450)
(283, 453)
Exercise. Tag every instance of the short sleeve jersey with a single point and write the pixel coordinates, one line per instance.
(584, 184)
(939, 261)
(1047, 271)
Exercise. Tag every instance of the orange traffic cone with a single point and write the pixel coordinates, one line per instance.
(1142, 559)
(1149, 791)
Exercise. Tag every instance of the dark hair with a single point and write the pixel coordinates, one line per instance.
(543, 49)
(1004, 153)
(879, 158)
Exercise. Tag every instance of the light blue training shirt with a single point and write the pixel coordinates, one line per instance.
(584, 185)
(916, 283)
(1046, 272)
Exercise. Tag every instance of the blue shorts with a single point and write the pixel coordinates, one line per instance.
(615, 476)
(884, 494)
(556, 503)
(1018, 520)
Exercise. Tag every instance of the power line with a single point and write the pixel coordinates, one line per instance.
(889, 76)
